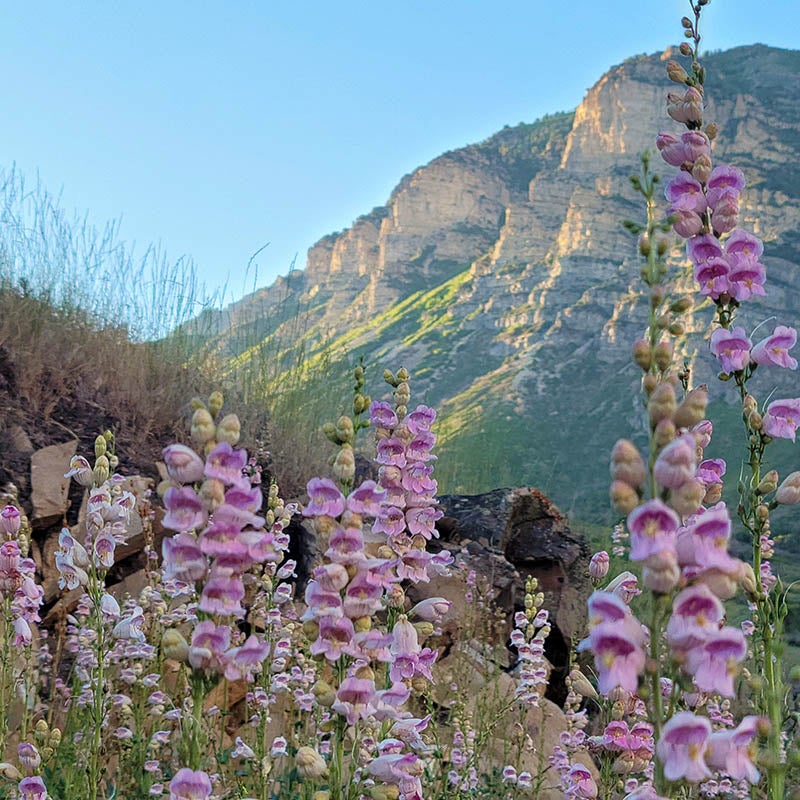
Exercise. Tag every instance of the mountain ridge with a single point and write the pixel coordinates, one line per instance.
(500, 275)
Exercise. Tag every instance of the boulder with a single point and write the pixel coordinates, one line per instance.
(49, 487)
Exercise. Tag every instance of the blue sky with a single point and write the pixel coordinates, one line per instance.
(216, 127)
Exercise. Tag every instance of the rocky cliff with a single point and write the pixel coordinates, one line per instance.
(501, 276)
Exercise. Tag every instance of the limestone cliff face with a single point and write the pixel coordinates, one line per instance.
(501, 276)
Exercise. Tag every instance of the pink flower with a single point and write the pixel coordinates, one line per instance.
(743, 247)
(782, 418)
(731, 752)
(701, 248)
(703, 541)
(354, 699)
(625, 586)
(366, 499)
(432, 609)
(687, 108)
(682, 747)
(713, 664)
(187, 784)
(747, 279)
(711, 470)
(10, 520)
(696, 613)
(223, 594)
(335, 637)
(580, 783)
(183, 464)
(243, 661)
(687, 223)
(185, 510)
(652, 527)
(183, 559)
(724, 179)
(209, 643)
(598, 566)
(676, 463)
(619, 661)
(774, 349)
(420, 419)
(226, 465)
(687, 149)
(391, 452)
(422, 521)
(32, 789)
(712, 275)
(725, 214)
(324, 498)
(382, 415)
(685, 193)
(731, 348)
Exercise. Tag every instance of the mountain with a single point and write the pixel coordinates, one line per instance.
(501, 276)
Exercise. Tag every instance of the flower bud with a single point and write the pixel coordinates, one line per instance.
(100, 446)
(212, 493)
(309, 763)
(424, 629)
(580, 684)
(644, 245)
(693, 408)
(711, 131)
(362, 624)
(755, 421)
(788, 493)
(649, 383)
(662, 355)
(324, 693)
(229, 430)
(681, 305)
(175, 646)
(402, 394)
(203, 428)
(345, 430)
(687, 498)
(598, 566)
(677, 328)
(749, 405)
(101, 470)
(713, 494)
(769, 483)
(403, 375)
(662, 404)
(685, 49)
(747, 579)
(344, 465)
(384, 791)
(641, 354)
(661, 573)
(623, 497)
(627, 463)
(389, 377)
(701, 170)
(215, 402)
(676, 73)
(360, 403)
